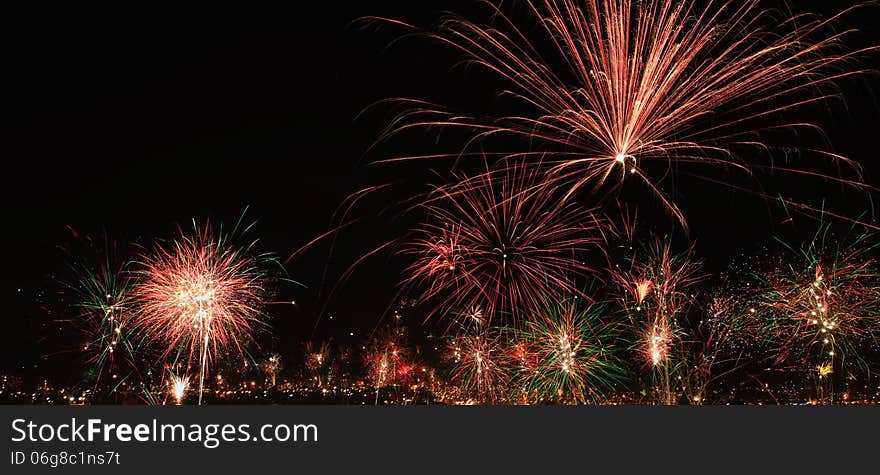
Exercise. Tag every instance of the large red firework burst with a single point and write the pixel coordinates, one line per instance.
(610, 86)
(199, 297)
(498, 243)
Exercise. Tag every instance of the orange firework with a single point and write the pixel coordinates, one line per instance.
(199, 296)
(613, 86)
(641, 289)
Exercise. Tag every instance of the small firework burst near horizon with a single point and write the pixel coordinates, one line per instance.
(104, 299)
(568, 352)
(317, 357)
(177, 386)
(200, 296)
(100, 287)
(477, 356)
(656, 288)
(388, 357)
(271, 366)
(722, 333)
(819, 306)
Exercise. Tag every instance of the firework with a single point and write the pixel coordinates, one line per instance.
(498, 243)
(567, 352)
(717, 343)
(474, 316)
(821, 304)
(200, 296)
(658, 339)
(317, 360)
(616, 90)
(657, 288)
(477, 358)
(272, 366)
(386, 356)
(177, 387)
(101, 288)
(104, 299)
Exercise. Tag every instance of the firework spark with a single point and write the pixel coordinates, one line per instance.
(617, 89)
(657, 288)
(105, 303)
(717, 342)
(822, 303)
(568, 352)
(177, 386)
(500, 242)
(101, 287)
(386, 356)
(658, 341)
(317, 360)
(272, 366)
(477, 359)
(200, 296)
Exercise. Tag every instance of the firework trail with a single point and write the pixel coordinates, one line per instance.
(498, 243)
(199, 297)
(821, 304)
(617, 90)
(477, 357)
(104, 300)
(656, 290)
(177, 387)
(567, 352)
(386, 356)
(719, 340)
(99, 287)
(317, 360)
(272, 366)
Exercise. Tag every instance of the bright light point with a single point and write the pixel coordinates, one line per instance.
(620, 157)
(179, 386)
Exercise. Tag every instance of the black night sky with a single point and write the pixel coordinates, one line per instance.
(134, 122)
